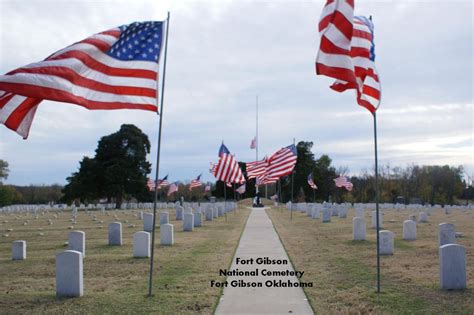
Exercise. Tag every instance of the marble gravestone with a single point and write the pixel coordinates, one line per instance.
(386, 242)
(69, 274)
(77, 242)
(19, 250)
(358, 229)
(166, 234)
(148, 222)
(115, 233)
(141, 244)
(447, 234)
(409, 230)
(452, 267)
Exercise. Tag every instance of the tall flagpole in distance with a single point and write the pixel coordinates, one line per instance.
(256, 140)
(292, 186)
(150, 279)
(377, 201)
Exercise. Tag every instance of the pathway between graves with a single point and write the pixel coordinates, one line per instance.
(260, 240)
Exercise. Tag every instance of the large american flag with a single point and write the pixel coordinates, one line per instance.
(114, 69)
(257, 168)
(195, 182)
(347, 52)
(281, 163)
(311, 182)
(228, 169)
(342, 181)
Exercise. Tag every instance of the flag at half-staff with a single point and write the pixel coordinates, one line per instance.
(311, 182)
(347, 52)
(342, 181)
(228, 169)
(195, 183)
(114, 69)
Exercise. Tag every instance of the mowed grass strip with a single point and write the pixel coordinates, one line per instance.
(114, 281)
(344, 271)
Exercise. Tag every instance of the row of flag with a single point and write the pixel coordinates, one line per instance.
(341, 181)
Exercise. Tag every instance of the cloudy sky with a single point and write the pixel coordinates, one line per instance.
(224, 53)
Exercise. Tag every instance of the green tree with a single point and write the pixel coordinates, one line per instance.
(3, 170)
(118, 171)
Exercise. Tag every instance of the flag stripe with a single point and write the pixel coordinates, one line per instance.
(115, 69)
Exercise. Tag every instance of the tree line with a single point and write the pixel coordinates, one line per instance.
(119, 170)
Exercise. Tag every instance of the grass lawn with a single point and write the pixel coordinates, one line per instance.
(115, 282)
(344, 271)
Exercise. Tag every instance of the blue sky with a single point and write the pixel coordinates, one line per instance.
(224, 53)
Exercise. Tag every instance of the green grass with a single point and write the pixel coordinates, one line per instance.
(343, 271)
(114, 281)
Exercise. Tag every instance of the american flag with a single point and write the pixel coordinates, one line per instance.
(241, 189)
(151, 185)
(227, 169)
(281, 163)
(195, 182)
(208, 188)
(311, 182)
(347, 52)
(342, 181)
(257, 168)
(163, 182)
(173, 188)
(229, 184)
(264, 180)
(114, 69)
(212, 168)
(253, 143)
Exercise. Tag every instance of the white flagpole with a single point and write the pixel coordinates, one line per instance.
(150, 279)
(256, 138)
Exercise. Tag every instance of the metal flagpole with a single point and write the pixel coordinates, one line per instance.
(150, 280)
(225, 200)
(256, 137)
(292, 186)
(377, 202)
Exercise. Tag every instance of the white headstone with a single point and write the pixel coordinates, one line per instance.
(386, 242)
(115, 233)
(164, 218)
(188, 222)
(69, 274)
(198, 219)
(326, 215)
(141, 244)
(19, 250)
(140, 215)
(209, 214)
(179, 213)
(447, 235)
(409, 230)
(359, 212)
(215, 212)
(452, 267)
(316, 213)
(166, 234)
(77, 242)
(358, 229)
(148, 222)
(343, 212)
(423, 217)
(374, 219)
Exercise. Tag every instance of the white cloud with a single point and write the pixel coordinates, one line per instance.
(223, 54)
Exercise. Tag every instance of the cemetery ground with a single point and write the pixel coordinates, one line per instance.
(114, 281)
(344, 271)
